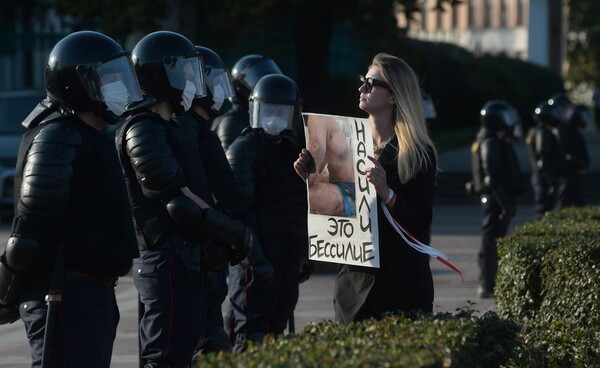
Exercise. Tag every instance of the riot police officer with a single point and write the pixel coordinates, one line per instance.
(72, 235)
(272, 198)
(578, 160)
(220, 179)
(245, 73)
(575, 150)
(546, 156)
(497, 180)
(179, 231)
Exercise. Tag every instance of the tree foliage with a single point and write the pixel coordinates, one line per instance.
(254, 26)
(583, 42)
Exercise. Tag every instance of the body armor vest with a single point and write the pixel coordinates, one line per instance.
(278, 200)
(151, 219)
(506, 175)
(95, 224)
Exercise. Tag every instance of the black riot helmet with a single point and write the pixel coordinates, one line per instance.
(217, 81)
(499, 115)
(247, 71)
(168, 67)
(565, 102)
(89, 72)
(275, 104)
(582, 116)
(549, 114)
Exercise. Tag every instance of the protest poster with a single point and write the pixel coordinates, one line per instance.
(342, 219)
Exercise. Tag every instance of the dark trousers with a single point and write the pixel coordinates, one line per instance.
(570, 192)
(493, 228)
(215, 337)
(544, 200)
(173, 308)
(86, 325)
(266, 311)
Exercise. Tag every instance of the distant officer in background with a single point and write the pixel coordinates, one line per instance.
(575, 150)
(72, 230)
(547, 157)
(245, 73)
(263, 291)
(578, 160)
(195, 124)
(180, 232)
(497, 180)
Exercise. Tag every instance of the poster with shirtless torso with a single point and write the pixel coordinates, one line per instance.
(342, 220)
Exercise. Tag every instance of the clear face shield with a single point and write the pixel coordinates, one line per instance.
(218, 82)
(114, 83)
(513, 122)
(273, 118)
(185, 75)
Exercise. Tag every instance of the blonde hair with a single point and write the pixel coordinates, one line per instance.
(409, 120)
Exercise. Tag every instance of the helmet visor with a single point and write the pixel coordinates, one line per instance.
(218, 82)
(114, 72)
(185, 72)
(272, 118)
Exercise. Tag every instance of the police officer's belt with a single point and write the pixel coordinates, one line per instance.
(107, 281)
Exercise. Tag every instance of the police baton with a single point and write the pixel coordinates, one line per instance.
(53, 300)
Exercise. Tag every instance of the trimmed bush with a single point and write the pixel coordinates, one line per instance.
(442, 340)
(548, 281)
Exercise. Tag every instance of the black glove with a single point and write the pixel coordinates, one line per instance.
(307, 268)
(262, 275)
(507, 212)
(8, 313)
(243, 248)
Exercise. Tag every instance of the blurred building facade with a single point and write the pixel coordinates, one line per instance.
(531, 30)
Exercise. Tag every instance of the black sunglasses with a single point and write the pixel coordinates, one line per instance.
(369, 82)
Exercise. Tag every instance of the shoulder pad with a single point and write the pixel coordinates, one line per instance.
(58, 133)
(475, 147)
(49, 169)
(39, 113)
(244, 146)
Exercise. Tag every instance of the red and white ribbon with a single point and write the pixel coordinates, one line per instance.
(418, 245)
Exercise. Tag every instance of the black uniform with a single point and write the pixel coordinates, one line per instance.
(221, 183)
(180, 232)
(497, 175)
(272, 198)
(159, 157)
(230, 125)
(578, 161)
(547, 159)
(70, 192)
(72, 235)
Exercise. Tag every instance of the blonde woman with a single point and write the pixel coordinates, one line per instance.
(403, 175)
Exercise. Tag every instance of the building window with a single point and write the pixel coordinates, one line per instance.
(471, 13)
(520, 20)
(454, 16)
(503, 14)
(487, 14)
(438, 19)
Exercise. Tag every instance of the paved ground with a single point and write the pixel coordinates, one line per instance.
(455, 232)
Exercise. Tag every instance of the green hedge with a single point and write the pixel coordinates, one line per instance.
(442, 340)
(548, 281)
